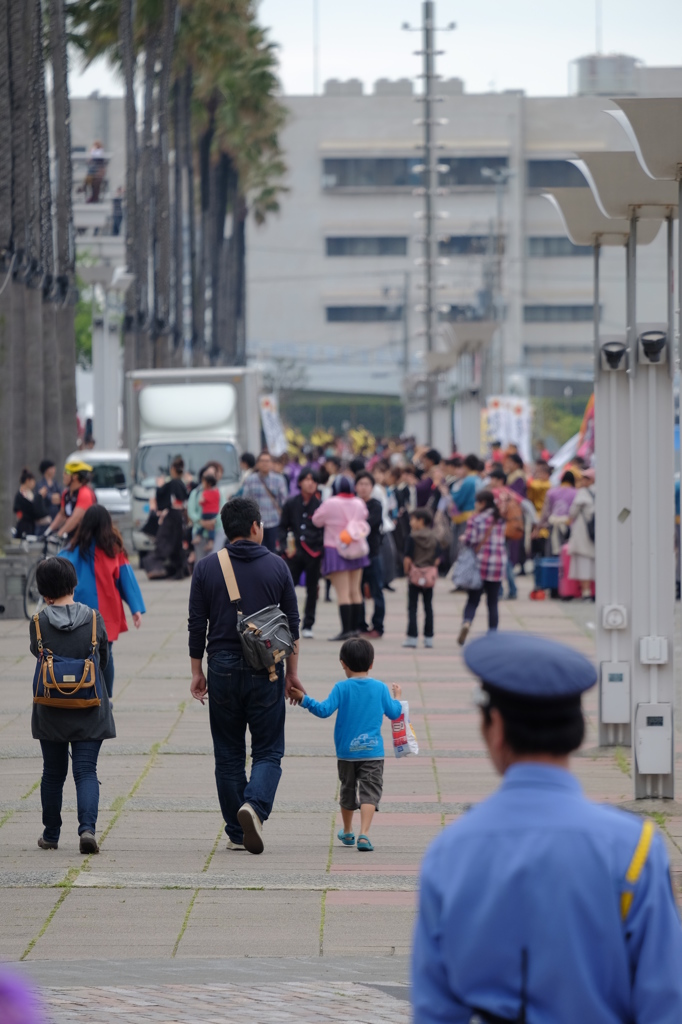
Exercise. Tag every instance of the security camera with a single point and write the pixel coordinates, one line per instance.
(613, 354)
(652, 345)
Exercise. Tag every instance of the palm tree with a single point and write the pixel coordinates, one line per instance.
(228, 119)
(6, 361)
(66, 250)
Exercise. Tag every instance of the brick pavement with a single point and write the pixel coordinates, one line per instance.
(165, 891)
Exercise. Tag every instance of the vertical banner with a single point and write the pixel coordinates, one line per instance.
(509, 421)
(275, 437)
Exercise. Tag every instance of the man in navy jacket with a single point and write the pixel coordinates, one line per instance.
(239, 695)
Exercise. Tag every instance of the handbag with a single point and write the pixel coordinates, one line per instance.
(423, 576)
(67, 682)
(466, 574)
(352, 542)
(265, 636)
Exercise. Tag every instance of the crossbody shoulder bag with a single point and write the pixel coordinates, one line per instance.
(265, 636)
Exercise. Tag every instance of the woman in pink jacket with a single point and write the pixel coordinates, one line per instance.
(344, 518)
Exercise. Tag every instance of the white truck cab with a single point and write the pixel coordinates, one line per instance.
(204, 416)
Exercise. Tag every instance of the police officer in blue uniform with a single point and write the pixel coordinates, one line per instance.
(539, 906)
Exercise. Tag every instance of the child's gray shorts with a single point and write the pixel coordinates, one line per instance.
(362, 782)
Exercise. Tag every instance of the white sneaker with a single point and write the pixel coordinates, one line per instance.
(410, 641)
(428, 641)
(253, 828)
(234, 846)
(307, 634)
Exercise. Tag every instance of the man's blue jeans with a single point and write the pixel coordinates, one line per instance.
(239, 697)
(55, 769)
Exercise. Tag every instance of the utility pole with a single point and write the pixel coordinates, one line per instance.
(430, 170)
(499, 176)
(431, 183)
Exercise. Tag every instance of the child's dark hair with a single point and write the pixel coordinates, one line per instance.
(56, 577)
(209, 480)
(487, 499)
(357, 654)
(424, 515)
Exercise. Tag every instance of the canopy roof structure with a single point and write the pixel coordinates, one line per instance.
(654, 127)
(623, 189)
(585, 224)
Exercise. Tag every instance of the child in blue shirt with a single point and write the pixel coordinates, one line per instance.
(361, 702)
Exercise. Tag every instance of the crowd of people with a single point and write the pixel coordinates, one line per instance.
(488, 959)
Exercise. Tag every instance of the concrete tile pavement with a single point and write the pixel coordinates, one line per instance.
(164, 887)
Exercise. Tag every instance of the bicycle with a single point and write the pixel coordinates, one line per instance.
(33, 601)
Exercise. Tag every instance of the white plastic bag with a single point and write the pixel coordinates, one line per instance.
(404, 738)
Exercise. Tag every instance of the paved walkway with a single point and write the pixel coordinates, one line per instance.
(159, 926)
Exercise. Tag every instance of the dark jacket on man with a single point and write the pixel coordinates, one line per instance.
(263, 579)
(297, 518)
(66, 630)
(375, 519)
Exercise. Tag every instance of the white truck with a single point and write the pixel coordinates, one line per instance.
(204, 415)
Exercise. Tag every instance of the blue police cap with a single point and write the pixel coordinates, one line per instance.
(529, 666)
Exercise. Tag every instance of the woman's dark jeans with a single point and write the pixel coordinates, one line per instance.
(239, 697)
(108, 673)
(491, 588)
(413, 593)
(55, 769)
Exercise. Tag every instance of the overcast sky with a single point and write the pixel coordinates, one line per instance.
(498, 44)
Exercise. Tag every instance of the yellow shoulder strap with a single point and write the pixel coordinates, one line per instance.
(94, 628)
(229, 576)
(636, 865)
(36, 620)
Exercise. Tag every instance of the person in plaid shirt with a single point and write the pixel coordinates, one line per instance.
(270, 490)
(485, 533)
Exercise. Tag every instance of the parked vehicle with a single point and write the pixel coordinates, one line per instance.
(110, 478)
(203, 415)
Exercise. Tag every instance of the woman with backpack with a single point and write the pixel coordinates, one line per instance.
(485, 534)
(66, 629)
(581, 541)
(105, 577)
(346, 553)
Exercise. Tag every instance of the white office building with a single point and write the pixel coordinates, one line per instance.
(334, 281)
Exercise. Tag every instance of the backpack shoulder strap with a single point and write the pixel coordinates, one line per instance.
(229, 576)
(36, 620)
(94, 629)
(636, 866)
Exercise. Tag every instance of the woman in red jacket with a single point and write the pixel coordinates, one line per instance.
(105, 577)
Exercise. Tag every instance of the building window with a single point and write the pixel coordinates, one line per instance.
(363, 314)
(370, 172)
(467, 170)
(468, 245)
(554, 174)
(557, 314)
(367, 246)
(557, 245)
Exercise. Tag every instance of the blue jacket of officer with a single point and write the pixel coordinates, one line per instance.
(540, 906)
